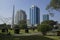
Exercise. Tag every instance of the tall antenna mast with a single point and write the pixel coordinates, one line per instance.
(13, 17)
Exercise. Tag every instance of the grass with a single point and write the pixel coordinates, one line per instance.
(23, 31)
(0, 31)
(32, 37)
(54, 37)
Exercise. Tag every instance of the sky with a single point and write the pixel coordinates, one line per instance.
(6, 9)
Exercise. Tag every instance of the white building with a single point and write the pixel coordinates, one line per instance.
(20, 15)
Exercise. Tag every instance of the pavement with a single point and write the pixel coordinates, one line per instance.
(28, 34)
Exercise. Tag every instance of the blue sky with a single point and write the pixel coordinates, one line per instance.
(6, 7)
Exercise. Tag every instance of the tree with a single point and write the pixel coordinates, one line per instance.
(23, 25)
(4, 29)
(54, 4)
(16, 29)
(46, 26)
(50, 22)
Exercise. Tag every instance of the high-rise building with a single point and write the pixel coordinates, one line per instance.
(20, 15)
(45, 17)
(34, 15)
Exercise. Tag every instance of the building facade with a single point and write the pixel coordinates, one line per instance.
(28, 22)
(34, 15)
(45, 17)
(20, 15)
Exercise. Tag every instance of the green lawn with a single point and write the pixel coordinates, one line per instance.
(54, 37)
(23, 31)
(32, 37)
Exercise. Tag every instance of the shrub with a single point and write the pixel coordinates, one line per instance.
(44, 28)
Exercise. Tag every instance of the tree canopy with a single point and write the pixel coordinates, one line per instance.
(49, 22)
(54, 4)
(22, 24)
(46, 26)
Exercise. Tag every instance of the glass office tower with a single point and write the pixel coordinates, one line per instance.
(45, 17)
(34, 15)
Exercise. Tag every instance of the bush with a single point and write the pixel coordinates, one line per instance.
(44, 28)
(3, 30)
(26, 30)
(16, 31)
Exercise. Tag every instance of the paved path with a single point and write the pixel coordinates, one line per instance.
(28, 34)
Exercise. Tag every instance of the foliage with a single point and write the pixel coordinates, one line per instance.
(3, 30)
(44, 28)
(16, 29)
(26, 30)
(4, 27)
(54, 4)
(49, 22)
(22, 24)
